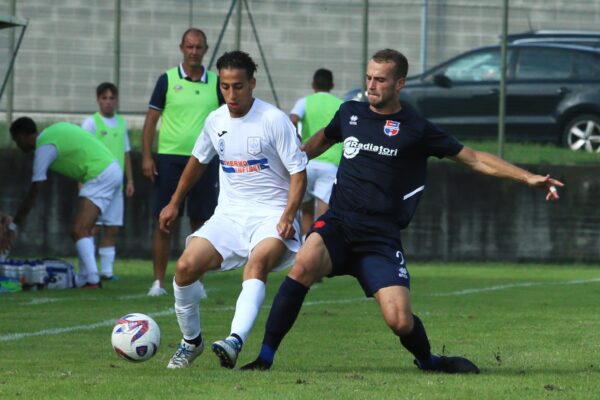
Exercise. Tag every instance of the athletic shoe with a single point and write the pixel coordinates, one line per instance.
(450, 365)
(109, 278)
(256, 365)
(156, 290)
(88, 285)
(186, 353)
(227, 350)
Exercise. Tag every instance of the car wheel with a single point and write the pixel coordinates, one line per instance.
(583, 133)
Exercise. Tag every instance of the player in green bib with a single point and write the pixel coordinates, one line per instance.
(71, 151)
(314, 112)
(111, 129)
(182, 99)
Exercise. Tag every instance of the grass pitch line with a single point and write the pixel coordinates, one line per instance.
(171, 311)
(168, 311)
(514, 285)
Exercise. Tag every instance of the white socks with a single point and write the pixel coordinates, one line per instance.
(187, 308)
(247, 307)
(107, 260)
(86, 252)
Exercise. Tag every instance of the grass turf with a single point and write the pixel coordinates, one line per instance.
(532, 329)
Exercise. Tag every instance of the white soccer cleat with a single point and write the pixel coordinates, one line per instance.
(156, 290)
(186, 354)
(227, 350)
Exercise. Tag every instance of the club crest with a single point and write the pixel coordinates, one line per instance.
(391, 128)
(254, 145)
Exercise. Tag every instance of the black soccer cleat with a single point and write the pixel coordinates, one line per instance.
(450, 365)
(257, 365)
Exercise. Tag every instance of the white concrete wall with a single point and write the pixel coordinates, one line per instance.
(68, 48)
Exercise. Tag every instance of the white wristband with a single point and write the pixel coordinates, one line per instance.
(13, 227)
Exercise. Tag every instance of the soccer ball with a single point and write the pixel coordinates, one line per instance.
(135, 337)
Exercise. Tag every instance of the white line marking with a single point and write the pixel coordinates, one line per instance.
(514, 285)
(171, 311)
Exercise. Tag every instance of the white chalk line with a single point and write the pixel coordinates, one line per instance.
(514, 285)
(171, 311)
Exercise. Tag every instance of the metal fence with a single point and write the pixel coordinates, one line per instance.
(72, 45)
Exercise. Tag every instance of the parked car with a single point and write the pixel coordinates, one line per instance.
(552, 94)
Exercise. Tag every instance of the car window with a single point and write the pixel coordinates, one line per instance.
(586, 66)
(476, 67)
(544, 64)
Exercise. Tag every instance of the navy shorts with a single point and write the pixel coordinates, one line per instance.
(202, 198)
(365, 248)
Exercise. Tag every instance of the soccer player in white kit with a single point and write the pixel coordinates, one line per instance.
(262, 181)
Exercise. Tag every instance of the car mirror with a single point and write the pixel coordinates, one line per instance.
(442, 80)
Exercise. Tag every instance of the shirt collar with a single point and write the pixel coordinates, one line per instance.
(183, 75)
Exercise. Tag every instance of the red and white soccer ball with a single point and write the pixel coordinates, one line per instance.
(136, 337)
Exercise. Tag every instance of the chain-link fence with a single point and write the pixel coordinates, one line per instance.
(70, 45)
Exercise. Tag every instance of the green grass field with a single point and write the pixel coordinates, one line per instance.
(534, 330)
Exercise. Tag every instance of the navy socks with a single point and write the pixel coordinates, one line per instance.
(418, 344)
(284, 311)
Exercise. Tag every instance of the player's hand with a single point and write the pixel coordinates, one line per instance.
(167, 216)
(546, 183)
(129, 189)
(149, 168)
(8, 236)
(285, 228)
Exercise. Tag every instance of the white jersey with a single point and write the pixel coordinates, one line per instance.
(257, 152)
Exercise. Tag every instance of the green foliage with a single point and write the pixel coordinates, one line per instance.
(534, 153)
(532, 329)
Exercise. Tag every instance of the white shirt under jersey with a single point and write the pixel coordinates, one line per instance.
(257, 152)
(90, 125)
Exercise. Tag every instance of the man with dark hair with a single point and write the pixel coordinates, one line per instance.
(314, 112)
(380, 180)
(182, 98)
(111, 129)
(71, 151)
(262, 182)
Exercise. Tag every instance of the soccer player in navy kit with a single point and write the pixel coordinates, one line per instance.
(380, 180)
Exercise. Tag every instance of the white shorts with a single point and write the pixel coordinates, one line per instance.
(105, 191)
(234, 232)
(320, 176)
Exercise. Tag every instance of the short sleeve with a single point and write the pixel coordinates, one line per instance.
(203, 149)
(332, 130)
(89, 125)
(159, 95)
(438, 143)
(288, 144)
(299, 108)
(43, 158)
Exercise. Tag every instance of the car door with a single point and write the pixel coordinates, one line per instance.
(543, 76)
(464, 102)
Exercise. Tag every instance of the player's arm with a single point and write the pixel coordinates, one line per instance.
(295, 119)
(130, 187)
(148, 135)
(26, 205)
(191, 173)
(285, 227)
(489, 164)
(317, 144)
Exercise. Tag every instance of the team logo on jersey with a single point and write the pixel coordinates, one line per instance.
(353, 120)
(352, 146)
(254, 145)
(221, 146)
(391, 128)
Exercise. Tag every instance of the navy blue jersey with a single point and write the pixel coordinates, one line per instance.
(384, 166)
